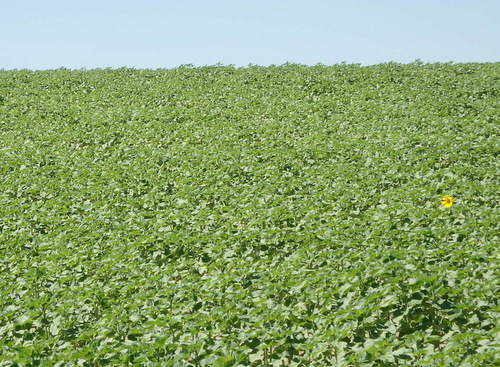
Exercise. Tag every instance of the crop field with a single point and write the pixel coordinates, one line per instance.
(287, 215)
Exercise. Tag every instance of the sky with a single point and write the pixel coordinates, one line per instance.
(51, 34)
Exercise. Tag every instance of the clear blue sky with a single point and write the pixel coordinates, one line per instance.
(50, 34)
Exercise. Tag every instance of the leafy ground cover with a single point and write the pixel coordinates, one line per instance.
(221, 216)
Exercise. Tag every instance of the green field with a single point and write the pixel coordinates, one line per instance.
(281, 216)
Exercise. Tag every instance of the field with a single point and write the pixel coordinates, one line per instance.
(281, 216)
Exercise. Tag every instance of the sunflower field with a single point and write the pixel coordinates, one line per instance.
(286, 215)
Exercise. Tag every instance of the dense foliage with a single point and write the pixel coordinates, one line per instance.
(222, 216)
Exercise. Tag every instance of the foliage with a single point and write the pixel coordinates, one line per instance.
(222, 216)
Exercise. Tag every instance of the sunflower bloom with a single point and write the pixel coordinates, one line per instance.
(447, 201)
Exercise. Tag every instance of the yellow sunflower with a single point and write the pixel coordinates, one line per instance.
(447, 201)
